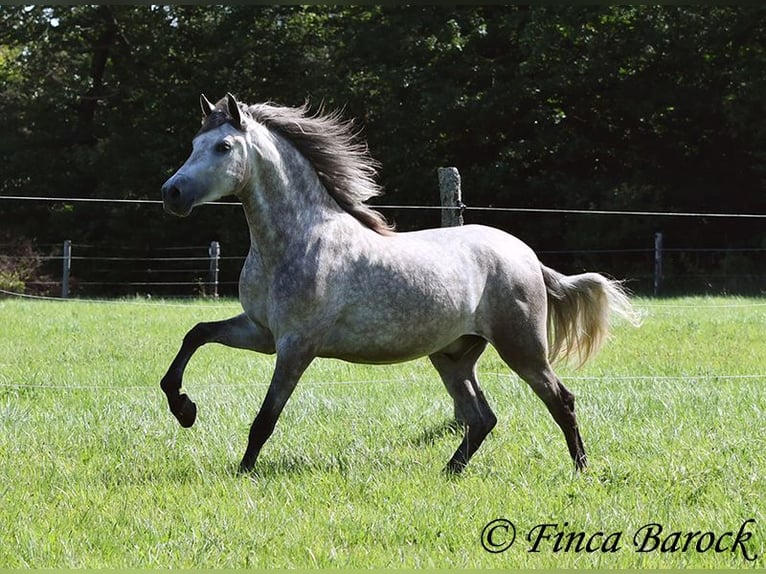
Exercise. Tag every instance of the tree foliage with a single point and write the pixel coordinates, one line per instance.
(598, 107)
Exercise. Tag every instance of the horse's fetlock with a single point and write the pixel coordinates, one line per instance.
(170, 382)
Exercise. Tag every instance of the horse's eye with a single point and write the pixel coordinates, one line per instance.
(222, 147)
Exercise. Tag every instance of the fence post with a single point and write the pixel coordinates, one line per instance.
(451, 197)
(452, 215)
(657, 262)
(67, 259)
(215, 253)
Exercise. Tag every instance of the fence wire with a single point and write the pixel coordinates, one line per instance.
(486, 208)
(388, 381)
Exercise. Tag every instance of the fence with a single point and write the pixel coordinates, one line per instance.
(88, 270)
(196, 273)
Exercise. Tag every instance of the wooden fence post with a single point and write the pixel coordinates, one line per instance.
(452, 214)
(451, 196)
(215, 253)
(67, 268)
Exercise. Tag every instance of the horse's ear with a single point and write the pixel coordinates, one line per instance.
(207, 107)
(234, 111)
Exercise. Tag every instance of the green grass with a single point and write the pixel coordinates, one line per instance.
(95, 472)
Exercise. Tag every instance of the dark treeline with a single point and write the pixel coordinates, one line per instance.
(655, 108)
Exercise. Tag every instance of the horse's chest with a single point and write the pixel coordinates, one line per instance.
(253, 290)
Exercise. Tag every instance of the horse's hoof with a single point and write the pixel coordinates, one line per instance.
(246, 466)
(187, 414)
(454, 468)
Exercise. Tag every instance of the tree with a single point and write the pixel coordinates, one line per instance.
(609, 107)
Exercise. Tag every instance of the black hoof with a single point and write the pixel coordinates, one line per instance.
(454, 468)
(187, 413)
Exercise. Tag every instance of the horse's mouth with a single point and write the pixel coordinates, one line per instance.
(176, 210)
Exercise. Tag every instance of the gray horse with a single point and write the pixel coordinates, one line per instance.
(326, 276)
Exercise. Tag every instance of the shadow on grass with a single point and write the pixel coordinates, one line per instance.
(434, 433)
(294, 465)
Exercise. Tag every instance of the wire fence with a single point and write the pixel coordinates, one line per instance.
(387, 381)
(193, 272)
(93, 270)
(488, 208)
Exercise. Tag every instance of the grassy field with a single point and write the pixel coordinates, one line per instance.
(95, 472)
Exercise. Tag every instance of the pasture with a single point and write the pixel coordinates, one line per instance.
(96, 472)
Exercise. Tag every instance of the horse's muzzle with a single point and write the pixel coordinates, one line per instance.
(174, 200)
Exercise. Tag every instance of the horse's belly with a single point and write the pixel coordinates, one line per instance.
(391, 339)
(371, 354)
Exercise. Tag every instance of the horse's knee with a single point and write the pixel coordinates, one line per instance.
(197, 335)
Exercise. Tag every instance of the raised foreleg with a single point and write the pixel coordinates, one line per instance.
(238, 332)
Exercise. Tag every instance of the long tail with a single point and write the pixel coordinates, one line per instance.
(579, 312)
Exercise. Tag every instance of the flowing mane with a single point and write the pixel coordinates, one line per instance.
(342, 161)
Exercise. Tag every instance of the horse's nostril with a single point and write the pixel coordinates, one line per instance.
(175, 200)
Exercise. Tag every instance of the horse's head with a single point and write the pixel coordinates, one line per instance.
(218, 165)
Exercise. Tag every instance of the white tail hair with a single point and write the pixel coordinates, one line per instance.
(580, 309)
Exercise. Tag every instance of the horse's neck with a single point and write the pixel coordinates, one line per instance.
(286, 205)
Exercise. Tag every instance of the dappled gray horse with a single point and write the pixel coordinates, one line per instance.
(327, 277)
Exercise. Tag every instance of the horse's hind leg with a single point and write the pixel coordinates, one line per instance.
(457, 367)
(561, 404)
(576, 446)
(238, 332)
(528, 358)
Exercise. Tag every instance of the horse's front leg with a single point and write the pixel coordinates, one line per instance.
(238, 332)
(293, 358)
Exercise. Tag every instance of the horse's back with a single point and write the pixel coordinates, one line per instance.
(481, 250)
(472, 236)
